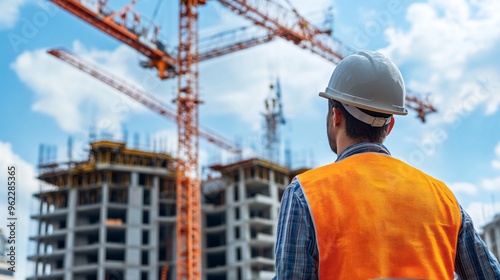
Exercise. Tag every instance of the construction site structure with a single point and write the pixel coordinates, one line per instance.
(113, 216)
(129, 27)
(491, 235)
(240, 211)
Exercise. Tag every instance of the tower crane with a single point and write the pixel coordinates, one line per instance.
(128, 26)
(273, 119)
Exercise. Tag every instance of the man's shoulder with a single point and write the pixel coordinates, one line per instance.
(328, 168)
(356, 163)
(317, 170)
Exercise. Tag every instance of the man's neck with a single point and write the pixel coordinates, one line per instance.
(345, 142)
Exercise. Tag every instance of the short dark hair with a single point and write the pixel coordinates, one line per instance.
(359, 130)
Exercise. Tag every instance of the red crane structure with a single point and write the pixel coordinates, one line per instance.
(131, 28)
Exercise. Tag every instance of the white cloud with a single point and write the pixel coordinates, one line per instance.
(10, 12)
(26, 186)
(463, 187)
(64, 92)
(491, 184)
(496, 162)
(449, 48)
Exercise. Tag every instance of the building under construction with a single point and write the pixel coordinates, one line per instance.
(240, 212)
(113, 216)
(491, 235)
(109, 217)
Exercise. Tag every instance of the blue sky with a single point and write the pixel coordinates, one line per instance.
(447, 51)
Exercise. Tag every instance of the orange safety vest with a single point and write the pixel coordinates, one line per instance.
(377, 217)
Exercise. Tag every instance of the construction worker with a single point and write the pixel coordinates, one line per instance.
(369, 215)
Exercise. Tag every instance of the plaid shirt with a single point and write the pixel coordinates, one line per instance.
(297, 255)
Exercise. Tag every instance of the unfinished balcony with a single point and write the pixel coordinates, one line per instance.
(85, 275)
(260, 213)
(58, 240)
(48, 274)
(86, 240)
(216, 263)
(214, 200)
(215, 241)
(257, 177)
(118, 196)
(87, 216)
(166, 212)
(116, 235)
(215, 222)
(261, 235)
(85, 258)
(262, 255)
(50, 256)
(262, 272)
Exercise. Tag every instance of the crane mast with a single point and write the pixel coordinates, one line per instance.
(273, 120)
(187, 179)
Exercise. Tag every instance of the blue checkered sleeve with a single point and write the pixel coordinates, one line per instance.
(474, 260)
(296, 250)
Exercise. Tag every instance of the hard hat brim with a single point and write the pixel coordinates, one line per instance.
(361, 103)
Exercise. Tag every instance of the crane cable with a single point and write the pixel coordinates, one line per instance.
(157, 8)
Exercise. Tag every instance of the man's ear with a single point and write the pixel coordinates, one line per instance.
(337, 117)
(391, 125)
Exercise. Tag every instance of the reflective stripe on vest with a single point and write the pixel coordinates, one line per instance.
(377, 217)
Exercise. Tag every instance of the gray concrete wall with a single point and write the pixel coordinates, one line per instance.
(70, 227)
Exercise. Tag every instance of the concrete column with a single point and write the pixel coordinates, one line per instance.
(496, 232)
(173, 266)
(241, 185)
(153, 230)
(40, 223)
(70, 235)
(487, 238)
(238, 186)
(101, 272)
(274, 195)
(230, 189)
(245, 228)
(133, 231)
(275, 206)
(230, 238)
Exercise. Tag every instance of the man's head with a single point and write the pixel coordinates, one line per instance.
(365, 90)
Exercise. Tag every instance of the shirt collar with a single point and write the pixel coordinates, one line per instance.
(365, 147)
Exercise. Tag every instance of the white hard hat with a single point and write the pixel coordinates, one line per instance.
(368, 80)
